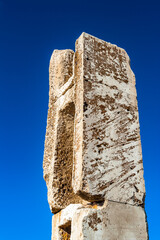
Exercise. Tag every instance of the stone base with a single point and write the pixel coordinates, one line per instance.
(100, 221)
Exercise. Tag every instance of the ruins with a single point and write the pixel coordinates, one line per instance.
(92, 160)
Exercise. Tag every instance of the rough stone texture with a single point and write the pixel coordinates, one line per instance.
(92, 146)
(108, 159)
(58, 157)
(111, 221)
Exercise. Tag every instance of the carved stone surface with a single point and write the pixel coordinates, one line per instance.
(92, 146)
(108, 159)
(111, 221)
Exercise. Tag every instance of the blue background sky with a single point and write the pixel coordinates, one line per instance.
(29, 32)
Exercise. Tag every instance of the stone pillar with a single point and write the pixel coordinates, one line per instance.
(93, 162)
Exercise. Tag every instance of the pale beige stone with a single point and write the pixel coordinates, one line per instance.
(92, 161)
(92, 139)
(107, 147)
(58, 156)
(110, 221)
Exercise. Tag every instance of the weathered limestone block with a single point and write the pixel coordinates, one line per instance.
(93, 161)
(109, 221)
(60, 70)
(107, 147)
(58, 157)
(92, 147)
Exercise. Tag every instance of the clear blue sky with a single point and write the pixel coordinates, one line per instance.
(29, 32)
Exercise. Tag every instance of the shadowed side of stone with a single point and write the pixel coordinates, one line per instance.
(58, 157)
(60, 70)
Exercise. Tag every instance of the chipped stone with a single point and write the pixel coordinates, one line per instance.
(111, 221)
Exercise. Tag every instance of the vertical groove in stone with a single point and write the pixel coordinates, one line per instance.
(58, 156)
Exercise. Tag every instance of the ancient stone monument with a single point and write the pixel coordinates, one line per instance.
(93, 162)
